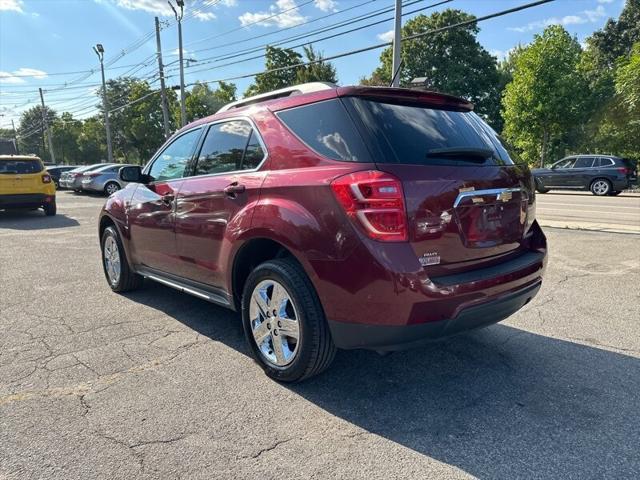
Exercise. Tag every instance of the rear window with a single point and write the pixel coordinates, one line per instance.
(327, 129)
(427, 136)
(20, 166)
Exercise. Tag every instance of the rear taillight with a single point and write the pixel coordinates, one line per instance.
(624, 171)
(91, 174)
(46, 178)
(374, 200)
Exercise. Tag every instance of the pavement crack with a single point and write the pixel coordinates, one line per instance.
(271, 447)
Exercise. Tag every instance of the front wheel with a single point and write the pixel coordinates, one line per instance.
(284, 322)
(601, 187)
(114, 262)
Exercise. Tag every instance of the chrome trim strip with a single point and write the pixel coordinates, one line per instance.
(187, 289)
(491, 191)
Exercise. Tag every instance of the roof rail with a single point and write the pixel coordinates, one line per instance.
(283, 92)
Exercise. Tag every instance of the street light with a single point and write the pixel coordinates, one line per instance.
(183, 111)
(99, 49)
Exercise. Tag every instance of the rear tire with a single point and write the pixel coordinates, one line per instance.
(600, 187)
(306, 349)
(50, 209)
(120, 277)
(540, 188)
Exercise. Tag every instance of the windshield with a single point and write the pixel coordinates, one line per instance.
(20, 166)
(428, 136)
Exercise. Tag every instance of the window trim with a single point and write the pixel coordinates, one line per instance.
(194, 161)
(167, 144)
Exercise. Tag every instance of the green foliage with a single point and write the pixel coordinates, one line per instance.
(540, 105)
(31, 135)
(276, 58)
(320, 71)
(202, 101)
(452, 60)
(292, 71)
(66, 132)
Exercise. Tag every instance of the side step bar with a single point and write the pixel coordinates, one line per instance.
(217, 297)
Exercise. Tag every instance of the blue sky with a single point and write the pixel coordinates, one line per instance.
(42, 42)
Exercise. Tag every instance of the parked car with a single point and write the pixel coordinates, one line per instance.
(103, 179)
(602, 174)
(57, 170)
(333, 217)
(24, 183)
(73, 179)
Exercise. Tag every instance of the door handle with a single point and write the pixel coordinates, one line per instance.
(234, 188)
(168, 199)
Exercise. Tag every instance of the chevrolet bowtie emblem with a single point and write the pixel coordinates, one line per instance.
(504, 196)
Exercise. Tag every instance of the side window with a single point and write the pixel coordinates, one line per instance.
(224, 148)
(173, 160)
(583, 162)
(605, 162)
(254, 154)
(566, 163)
(327, 128)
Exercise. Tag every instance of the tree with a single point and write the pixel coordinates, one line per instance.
(226, 92)
(319, 71)
(31, 132)
(616, 38)
(202, 102)
(66, 131)
(540, 105)
(91, 141)
(452, 61)
(276, 58)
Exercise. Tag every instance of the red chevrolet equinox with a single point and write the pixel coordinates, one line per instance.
(333, 217)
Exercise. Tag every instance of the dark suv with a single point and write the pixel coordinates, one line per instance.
(349, 217)
(602, 174)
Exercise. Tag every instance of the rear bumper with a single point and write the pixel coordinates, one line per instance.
(92, 186)
(25, 200)
(390, 338)
(384, 301)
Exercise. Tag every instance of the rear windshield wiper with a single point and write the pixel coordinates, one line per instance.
(459, 152)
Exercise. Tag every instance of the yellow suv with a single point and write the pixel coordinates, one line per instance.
(24, 183)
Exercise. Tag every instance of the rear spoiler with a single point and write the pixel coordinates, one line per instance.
(405, 96)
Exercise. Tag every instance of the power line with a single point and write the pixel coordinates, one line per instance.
(384, 44)
(334, 35)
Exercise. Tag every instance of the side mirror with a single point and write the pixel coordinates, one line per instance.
(131, 174)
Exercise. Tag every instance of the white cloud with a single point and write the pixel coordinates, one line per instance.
(203, 16)
(284, 13)
(157, 7)
(11, 6)
(605, 1)
(386, 36)
(18, 76)
(584, 17)
(326, 5)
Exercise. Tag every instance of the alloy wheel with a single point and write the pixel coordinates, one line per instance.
(112, 188)
(600, 187)
(112, 259)
(274, 322)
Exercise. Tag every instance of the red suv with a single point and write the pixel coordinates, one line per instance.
(333, 217)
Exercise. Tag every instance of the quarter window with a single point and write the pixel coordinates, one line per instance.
(228, 147)
(604, 162)
(173, 160)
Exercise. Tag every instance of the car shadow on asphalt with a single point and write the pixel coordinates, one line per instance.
(34, 220)
(497, 403)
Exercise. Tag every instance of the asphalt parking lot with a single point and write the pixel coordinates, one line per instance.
(158, 384)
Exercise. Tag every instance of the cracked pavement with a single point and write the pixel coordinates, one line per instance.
(158, 384)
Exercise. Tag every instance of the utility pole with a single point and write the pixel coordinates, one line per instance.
(183, 111)
(46, 128)
(15, 136)
(163, 94)
(99, 49)
(397, 35)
